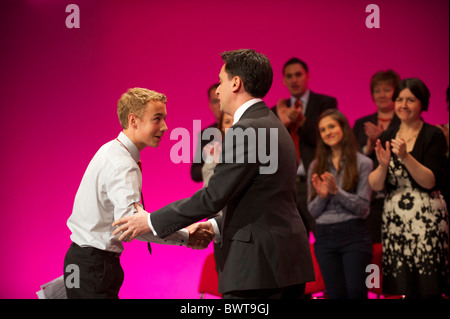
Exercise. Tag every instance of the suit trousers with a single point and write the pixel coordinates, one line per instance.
(343, 251)
(289, 292)
(101, 274)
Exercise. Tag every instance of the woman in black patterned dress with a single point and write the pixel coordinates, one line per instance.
(415, 229)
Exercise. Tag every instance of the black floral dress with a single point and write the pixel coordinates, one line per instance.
(415, 237)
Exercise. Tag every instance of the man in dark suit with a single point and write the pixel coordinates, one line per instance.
(264, 244)
(299, 115)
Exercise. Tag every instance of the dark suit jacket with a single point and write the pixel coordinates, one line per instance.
(264, 242)
(309, 132)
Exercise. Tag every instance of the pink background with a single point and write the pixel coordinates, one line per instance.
(60, 86)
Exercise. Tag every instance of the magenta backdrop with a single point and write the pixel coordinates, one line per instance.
(59, 89)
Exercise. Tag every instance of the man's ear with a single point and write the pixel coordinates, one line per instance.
(285, 81)
(308, 77)
(132, 120)
(237, 84)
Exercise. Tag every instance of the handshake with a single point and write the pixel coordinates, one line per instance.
(200, 234)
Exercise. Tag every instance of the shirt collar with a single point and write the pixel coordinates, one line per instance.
(241, 110)
(341, 162)
(304, 98)
(130, 147)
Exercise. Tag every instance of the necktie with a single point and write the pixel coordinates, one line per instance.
(142, 196)
(293, 130)
(143, 206)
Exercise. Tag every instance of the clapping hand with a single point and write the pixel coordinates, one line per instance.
(372, 131)
(383, 155)
(330, 182)
(399, 148)
(282, 110)
(212, 151)
(200, 235)
(320, 186)
(290, 116)
(325, 184)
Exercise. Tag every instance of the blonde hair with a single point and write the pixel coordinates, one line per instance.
(134, 101)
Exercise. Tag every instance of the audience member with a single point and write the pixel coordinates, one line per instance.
(415, 229)
(299, 115)
(445, 181)
(214, 106)
(338, 198)
(213, 151)
(367, 129)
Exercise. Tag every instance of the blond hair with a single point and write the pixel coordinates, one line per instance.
(134, 101)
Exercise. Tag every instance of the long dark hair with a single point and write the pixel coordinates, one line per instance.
(349, 150)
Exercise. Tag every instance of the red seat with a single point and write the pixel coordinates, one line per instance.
(377, 254)
(318, 285)
(209, 280)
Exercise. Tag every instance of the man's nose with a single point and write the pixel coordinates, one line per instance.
(164, 127)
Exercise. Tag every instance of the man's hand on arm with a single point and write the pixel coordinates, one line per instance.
(132, 226)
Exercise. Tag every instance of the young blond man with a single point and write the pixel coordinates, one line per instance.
(108, 191)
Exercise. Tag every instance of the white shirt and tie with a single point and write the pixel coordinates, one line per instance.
(108, 191)
(304, 98)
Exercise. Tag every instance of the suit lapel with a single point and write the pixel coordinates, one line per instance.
(310, 107)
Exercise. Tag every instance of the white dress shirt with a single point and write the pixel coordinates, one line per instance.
(305, 99)
(108, 191)
(244, 107)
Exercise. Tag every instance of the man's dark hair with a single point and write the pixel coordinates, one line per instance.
(212, 87)
(296, 61)
(252, 67)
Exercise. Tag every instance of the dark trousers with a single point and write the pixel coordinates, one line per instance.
(343, 251)
(289, 292)
(100, 273)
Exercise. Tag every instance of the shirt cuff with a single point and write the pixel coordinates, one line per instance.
(185, 236)
(178, 238)
(151, 226)
(217, 236)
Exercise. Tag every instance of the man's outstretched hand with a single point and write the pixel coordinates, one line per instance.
(200, 235)
(132, 226)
